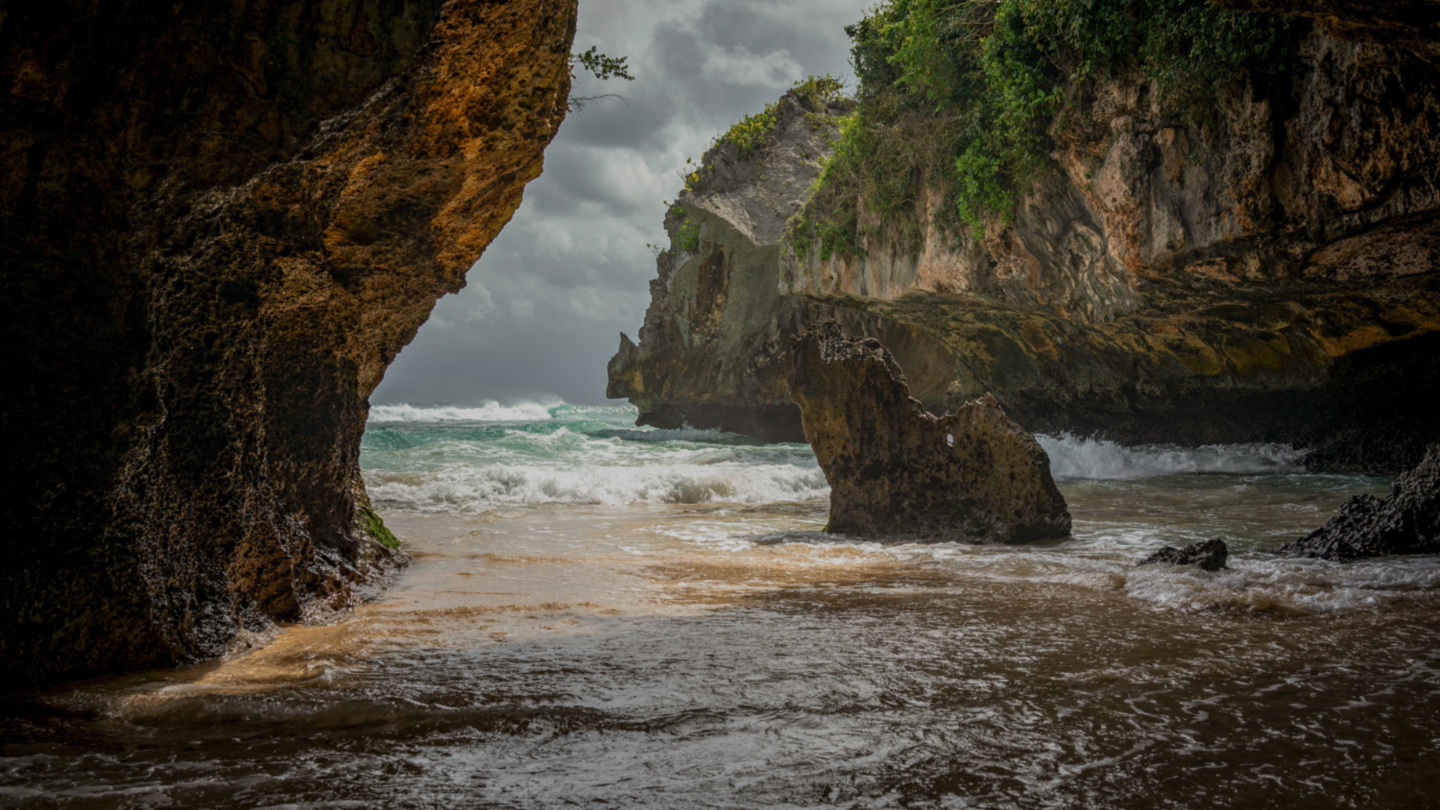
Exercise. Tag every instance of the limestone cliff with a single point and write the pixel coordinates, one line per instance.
(1267, 276)
(221, 221)
(711, 348)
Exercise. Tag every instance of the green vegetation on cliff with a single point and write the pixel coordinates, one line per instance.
(962, 95)
(753, 132)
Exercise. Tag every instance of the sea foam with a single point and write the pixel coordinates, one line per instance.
(488, 411)
(470, 488)
(1072, 457)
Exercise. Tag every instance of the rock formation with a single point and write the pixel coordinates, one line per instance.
(896, 471)
(221, 222)
(711, 348)
(1407, 521)
(1207, 555)
(1267, 277)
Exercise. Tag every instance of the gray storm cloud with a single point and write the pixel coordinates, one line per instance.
(544, 306)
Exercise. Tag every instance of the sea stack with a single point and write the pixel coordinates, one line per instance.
(898, 472)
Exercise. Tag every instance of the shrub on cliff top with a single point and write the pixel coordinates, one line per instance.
(753, 132)
(960, 94)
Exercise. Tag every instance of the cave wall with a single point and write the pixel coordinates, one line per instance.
(219, 224)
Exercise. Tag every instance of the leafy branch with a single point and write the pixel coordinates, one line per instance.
(602, 67)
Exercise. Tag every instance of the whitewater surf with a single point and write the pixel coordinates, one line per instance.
(615, 616)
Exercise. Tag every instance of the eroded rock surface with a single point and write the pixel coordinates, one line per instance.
(896, 471)
(1207, 555)
(710, 351)
(219, 223)
(1407, 521)
(1270, 276)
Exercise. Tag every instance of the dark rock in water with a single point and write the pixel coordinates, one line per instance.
(896, 471)
(1207, 555)
(1407, 521)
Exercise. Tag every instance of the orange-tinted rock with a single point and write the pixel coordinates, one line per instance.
(898, 472)
(219, 223)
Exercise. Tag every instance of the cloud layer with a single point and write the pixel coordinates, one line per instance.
(545, 305)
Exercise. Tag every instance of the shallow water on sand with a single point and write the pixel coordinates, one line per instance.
(617, 618)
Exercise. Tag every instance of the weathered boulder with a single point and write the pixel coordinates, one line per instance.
(898, 472)
(219, 223)
(1407, 521)
(1207, 555)
(711, 348)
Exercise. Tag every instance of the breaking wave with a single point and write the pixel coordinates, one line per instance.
(488, 411)
(471, 488)
(448, 459)
(1126, 501)
(1072, 457)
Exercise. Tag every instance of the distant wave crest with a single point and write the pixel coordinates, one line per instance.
(488, 411)
(1073, 457)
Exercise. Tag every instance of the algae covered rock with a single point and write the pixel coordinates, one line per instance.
(896, 471)
(1407, 521)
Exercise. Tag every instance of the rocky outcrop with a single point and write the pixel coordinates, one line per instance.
(710, 351)
(1269, 276)
(898, 472)
(1407, 521)
(1207, 555)
(220, 223)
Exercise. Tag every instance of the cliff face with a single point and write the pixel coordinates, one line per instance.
(711, 349)
(1267, 277)
(221, 222)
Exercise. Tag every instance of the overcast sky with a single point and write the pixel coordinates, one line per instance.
(545, 305)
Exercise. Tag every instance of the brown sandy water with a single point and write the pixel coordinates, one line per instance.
(714, 656)
(728, 655)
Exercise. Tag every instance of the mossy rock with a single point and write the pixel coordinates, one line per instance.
(372, 524)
